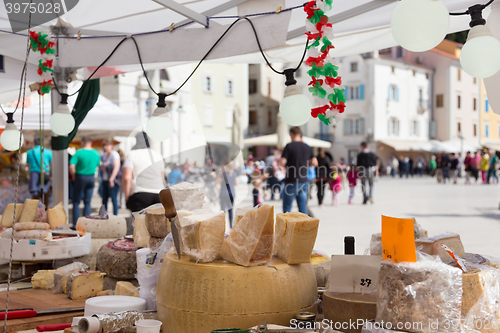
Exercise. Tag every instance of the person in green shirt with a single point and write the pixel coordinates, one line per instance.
(82, 168)
(492, 171)
(432, 166)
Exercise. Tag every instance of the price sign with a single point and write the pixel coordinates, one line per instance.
(398, 239)
(354, 274)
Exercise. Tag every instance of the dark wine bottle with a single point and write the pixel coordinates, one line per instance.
(349, 245)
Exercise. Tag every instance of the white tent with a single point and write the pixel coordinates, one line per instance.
(272, 140)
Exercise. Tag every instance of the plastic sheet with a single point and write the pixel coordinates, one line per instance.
(45, 235)
(61, 275)
(424, 296)
(19, 226)
(376, 245)
(118, 321)
(41, 214)
(186, 196)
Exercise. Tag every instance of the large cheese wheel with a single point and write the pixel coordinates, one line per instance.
(198, 298)
(117, 259)
(348, 308)
(96, 244)
(113, 227)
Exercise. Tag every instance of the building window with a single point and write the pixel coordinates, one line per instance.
(268, 87)
(393, 93)
(486, 130)
(209, 116)
(354, 67)
(252, 86)
(459, 127)
(474, 130)
(164, 75)
(393, 127)
(474, 104)
(252, 117)
(355, 92)
(439, 101)
(486, 105)
(393, 69)
(354, 126)
(459, 74)
(459, 102)
(208, 85)
(229, 87)
(229, 117)
(415, 128)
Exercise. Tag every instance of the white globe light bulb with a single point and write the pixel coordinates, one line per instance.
(295, 108)
(160, 127)
(61, 121)
(420, 25)
(480, 56)
(10, 137)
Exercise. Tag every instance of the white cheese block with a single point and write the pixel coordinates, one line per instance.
(430, 245)
(202, 236)
(31, 226)
(91, 258)
(198, 298)
(43, 279)
(44, 235)
(141, 234)
(186, 196)
(114, 227)
(57, 216)
(240, 212)
(29, 210)
(156, 222)
(349, 308)
(295, 237)
(250, 242)
(126, 288)
(84, 284)
(8, 215)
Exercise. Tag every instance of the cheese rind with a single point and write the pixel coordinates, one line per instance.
(57, 216)
(349, 307)
(156, 223)
(31, 226)
(43, 279)
(113, 227)
(295, 235)
(117, 264)
(126, 288)
(251, 241)
(202, 236)
(29, 210)
(430, 245)
(8, 215)
(141, 234)
(84, 284)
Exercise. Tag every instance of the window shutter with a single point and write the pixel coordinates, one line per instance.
(361, 126)
(487, 106)
(397, 94)
(389, 93)
(346, 92)
(346, 124)
(362, 91)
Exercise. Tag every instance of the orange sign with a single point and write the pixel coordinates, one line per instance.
(398, 239)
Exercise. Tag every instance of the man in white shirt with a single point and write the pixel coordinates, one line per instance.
(143, 175)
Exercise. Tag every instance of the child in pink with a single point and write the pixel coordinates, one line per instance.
(352, 177)
(336, 187)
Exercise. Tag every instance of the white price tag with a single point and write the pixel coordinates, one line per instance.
(354, 274)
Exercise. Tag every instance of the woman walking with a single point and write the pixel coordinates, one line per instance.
(111, 177)
(322, 174)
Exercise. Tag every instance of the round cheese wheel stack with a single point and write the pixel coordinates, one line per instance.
(118, 260)
(91, 258)
(112, 227)
(195, 298)
(349, 307)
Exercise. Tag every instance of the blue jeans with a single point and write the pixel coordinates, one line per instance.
(298, 191)
(108, 192)
(84, 187)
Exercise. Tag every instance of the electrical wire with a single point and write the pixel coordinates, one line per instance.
(20, 89)
(467, 11)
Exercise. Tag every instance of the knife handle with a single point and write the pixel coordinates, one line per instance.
(52, 327)
(168, 203)
(18, 314)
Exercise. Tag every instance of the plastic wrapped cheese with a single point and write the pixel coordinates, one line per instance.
(29, 210)
(33, 234)
(62, 273)
(250, 243)
(240, 212)
(112, 227)
(376, 245)
(426, 296)
(186, 196)
(31, 226)
(430, 245)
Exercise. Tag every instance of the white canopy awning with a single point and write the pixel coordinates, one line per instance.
(433, 146)
(272, 140)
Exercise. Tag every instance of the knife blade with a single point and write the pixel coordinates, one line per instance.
(170, 213)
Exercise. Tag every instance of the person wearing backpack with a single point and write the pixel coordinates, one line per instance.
(366, 161)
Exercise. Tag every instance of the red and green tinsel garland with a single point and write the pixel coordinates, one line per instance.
(41, 44)
(324, 74)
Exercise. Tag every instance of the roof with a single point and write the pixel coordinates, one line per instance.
(272, 140)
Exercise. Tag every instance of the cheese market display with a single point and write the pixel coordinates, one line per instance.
(155, 222)
(31, 226)
(349, 307)
(141, 234)
(197, 298)
(84, 284)
(29, 210)
(295, 237)
(111, 227)
(240, 212)
(43, 279)
(251, 241)
(117, 259)
(96, 244)
(57, 216)
(125, 288)
(8, 215)
(430, 245)
(186, 196)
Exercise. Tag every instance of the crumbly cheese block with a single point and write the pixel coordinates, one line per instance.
(376, 245)
(44, 235)
(295, 237)
(43, 279)
(474, 283)
(430, 245)
(117, 264)
(251, 241)
(57, 216)
(84, 284)
(8, 215)
(202, 235)
(198, 298)
(423, 292)
(240, 212)
(126, 288)
(110, 283)
(105, 293)
(349, 307)
(95, 245)
(31, 226)
(29, 210)
(141, 234)
(186, 196)
(113, 227)
(180, 222)
(156, 222)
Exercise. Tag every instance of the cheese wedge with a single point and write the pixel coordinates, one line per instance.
(295, 237)
(29, 210)
(240, 212)
(84, 284)
(141, 234)
(202, 236)
(57, 216)
(251, 241)
(126, 288)
(8, 215)
(43, 279)
(430, 245)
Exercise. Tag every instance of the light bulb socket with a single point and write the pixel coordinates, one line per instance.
(161, 100)
(476, 14)
(64, 99)
(290, 79)
(10, 117)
